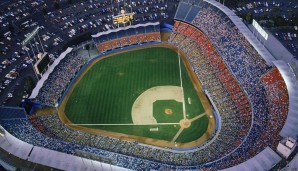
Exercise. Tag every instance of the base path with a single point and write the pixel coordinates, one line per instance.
(142, 109)
(178, 133)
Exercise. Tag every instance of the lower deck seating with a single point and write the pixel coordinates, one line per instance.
(130, 40)
(238, 94)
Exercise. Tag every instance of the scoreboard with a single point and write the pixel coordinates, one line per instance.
(123, 18)
(42, 64)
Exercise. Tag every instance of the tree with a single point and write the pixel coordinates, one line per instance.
(233, 3)
(275, 10)
(29, 84)
(290, 13)
(44, 11)
(10, 27)
(248, 18)
(279, 21)
(56, 5)
(69, 1)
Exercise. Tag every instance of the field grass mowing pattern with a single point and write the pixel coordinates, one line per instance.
(107, 91)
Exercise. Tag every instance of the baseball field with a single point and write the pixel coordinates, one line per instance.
(147, 94)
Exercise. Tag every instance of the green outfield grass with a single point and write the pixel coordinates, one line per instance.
(106, 93)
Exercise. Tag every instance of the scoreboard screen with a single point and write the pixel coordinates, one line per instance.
(123, 18)
(42, 64)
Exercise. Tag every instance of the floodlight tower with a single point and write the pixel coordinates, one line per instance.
(31, 37)
(3, 134)
(28, 40)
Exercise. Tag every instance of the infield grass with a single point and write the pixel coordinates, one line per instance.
(159, 107)
(106, 93)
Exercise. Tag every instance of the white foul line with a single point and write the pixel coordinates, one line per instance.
(126, 124)
(177, 134)
(182, 92)
(198, 117)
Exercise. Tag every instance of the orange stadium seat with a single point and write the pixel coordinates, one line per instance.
(196, 35)
(133, 39)
(189, 31)
(271, 76)
(142, 38)
(124, 41)
(176, 25)
(182, 27)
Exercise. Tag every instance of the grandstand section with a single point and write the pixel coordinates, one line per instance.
(125, 36)
(68, 64)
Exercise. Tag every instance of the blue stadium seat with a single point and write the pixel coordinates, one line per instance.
(121, 33)
(140, 30)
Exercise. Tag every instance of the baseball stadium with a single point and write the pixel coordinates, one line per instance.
(199, 94)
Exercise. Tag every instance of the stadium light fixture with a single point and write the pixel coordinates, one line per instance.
(2, 131)
(2, 134)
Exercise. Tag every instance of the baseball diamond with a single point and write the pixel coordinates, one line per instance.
(127, 94)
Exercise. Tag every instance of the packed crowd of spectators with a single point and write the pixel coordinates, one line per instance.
(23, 130)
(127, 36)
(229, 98)
(232, 46)
(126, 41)
(247, 66)
(48, 131)
(58, 80)
(278, 100)
(230, 147)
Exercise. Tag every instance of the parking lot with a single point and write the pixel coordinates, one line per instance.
(288, 37)
(280, 17)
(57, 27)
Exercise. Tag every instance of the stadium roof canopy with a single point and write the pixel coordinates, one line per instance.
(15, 146)
(51, 158)
(265, 160)
(69, 162)
(125, 28)
(290, 128)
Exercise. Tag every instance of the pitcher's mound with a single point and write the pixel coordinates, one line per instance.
(168, 111)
